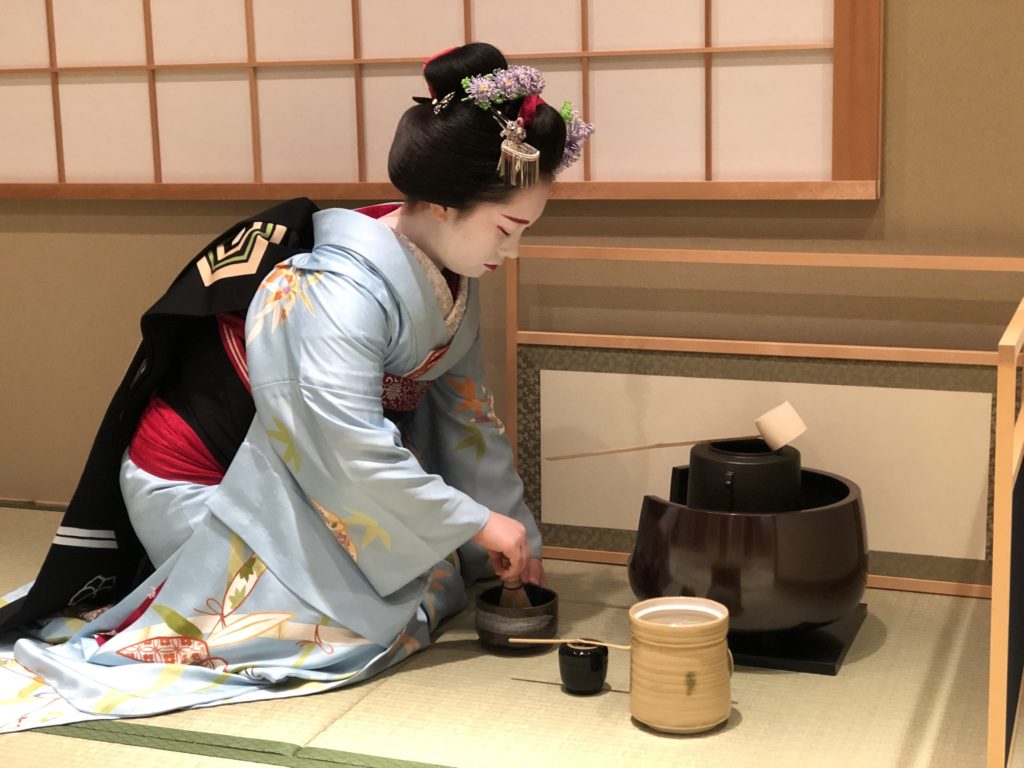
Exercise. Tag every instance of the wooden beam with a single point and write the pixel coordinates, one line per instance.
(707, 91)
(58, 128)
(1007, 466)
(511, 354)
(154, 123)
(776, 258)
(715, 190)
(254, 94)
(857, 90)
(758, 348)
(198, 191)
(359, 59)
(362, 190)
(585, 83)
(357, 81)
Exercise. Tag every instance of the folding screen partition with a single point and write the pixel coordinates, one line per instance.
(1006, 652)
(589, 353)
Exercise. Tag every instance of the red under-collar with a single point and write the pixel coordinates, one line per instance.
(379, 210)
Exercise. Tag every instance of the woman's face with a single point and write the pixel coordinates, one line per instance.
(477, 242)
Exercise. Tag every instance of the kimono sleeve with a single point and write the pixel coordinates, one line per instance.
(316, 373)
(460, 437)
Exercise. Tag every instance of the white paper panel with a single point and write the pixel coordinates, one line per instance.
(293, 30)
(564, 82)
(771, 117)
(90, 32)
(388, 91)
(28, 150)
(618, 26)
(187, 31)
(920, 457)
(411, 27)
(205, 126)
(308, 125)
(540, 25)
(768, 22)
(23, 34)
(649, 119)
(105, 127)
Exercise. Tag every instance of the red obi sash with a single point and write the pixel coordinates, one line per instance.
(166, 446)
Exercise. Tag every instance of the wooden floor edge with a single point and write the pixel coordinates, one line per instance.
(930, 586)
(895, 583)
(585, 555)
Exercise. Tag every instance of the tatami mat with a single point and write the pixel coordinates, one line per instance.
(37, 749)
(911, 693)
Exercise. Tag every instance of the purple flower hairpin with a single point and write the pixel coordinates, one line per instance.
(519, 161)
(576, 133)
(502, 85)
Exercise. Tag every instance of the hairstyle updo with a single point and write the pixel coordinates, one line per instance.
(451, 158)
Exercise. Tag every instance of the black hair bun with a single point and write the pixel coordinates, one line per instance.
(444, 73)
(451, 158)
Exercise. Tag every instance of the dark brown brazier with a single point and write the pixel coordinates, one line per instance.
(796, 562)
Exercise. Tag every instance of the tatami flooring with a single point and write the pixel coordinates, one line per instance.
(911, 693)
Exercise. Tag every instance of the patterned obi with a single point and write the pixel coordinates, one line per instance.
(404, 393)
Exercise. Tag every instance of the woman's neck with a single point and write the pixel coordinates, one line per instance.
(417, 224)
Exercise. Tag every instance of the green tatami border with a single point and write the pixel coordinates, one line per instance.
(228, 747)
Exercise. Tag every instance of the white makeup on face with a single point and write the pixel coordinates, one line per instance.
(477, 242)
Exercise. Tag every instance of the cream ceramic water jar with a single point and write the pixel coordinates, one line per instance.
(680, 665)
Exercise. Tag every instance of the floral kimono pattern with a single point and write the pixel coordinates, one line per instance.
(324, 555)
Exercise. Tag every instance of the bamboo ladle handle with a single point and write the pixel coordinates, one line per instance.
(560, 640)
(650, 446)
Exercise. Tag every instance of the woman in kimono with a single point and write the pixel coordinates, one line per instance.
(315, 489)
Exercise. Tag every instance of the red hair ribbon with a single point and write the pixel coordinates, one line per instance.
(436, 56)
(529, 108)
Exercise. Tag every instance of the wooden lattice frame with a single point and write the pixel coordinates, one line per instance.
(1007, 567)
(856, 55)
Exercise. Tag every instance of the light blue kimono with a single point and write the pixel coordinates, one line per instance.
(324, 555)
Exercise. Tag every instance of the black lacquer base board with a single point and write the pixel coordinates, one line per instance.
(819, 651)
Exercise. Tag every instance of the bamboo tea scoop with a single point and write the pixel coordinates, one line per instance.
(513, 595)
(778, 427)
(560, 640)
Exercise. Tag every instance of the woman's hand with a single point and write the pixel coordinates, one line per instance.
(533, 573)
(505, 542)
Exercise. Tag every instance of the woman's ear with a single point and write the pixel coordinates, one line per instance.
(440, 212)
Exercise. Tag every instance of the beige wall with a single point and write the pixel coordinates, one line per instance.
(78, 274)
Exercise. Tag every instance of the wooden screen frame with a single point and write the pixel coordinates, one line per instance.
(515, 337)
(856, 120)
(1009, 426)
(1006, 573)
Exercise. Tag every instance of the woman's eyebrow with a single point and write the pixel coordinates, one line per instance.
(513, 218)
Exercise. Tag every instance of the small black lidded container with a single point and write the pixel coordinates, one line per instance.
(583, 667)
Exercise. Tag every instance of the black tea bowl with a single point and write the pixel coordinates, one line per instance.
(495, 623)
